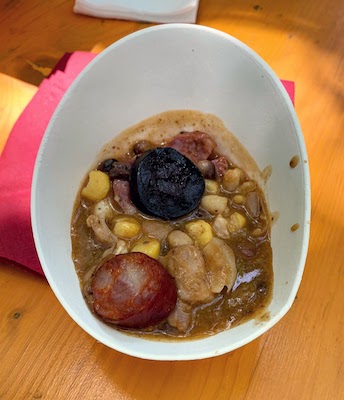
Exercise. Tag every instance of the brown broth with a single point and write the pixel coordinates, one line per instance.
(252, 289)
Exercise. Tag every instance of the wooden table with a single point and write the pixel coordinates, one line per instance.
(45, 355)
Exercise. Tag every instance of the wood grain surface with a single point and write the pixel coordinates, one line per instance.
(45, 355)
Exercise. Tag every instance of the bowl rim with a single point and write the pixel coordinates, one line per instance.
(307, 197)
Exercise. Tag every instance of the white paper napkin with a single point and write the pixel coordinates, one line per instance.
(161, 11)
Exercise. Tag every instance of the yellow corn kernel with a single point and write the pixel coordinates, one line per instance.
(239, 199)
(126, 228)
(236, 221)
(98, 186)
(214, 204)
(247, 187)
(200, 231)
(257, 232)
(211, 186)
(148, 246)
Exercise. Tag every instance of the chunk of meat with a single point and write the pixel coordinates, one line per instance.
(133, 290)
(221, 166)
(120, 170)
(186, 265)
(101, 229)
(196, 146)
(221, 266)
(181, 317)
(121, 190)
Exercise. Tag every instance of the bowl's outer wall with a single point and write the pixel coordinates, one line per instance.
(157, 69)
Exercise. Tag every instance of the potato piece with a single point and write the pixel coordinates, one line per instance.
(211, 186)
(148, 246)
(236, 221)
(178, 238)
(98, 186)
(232, 179)
(200, 231)
(214, 204)
(126, 228)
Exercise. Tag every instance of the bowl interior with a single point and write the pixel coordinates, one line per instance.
(157, 69)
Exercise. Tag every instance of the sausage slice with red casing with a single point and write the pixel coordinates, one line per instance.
(133, 290)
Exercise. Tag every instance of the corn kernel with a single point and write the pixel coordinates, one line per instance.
(239, 199)
(200, 231)
(236, 222)
(148, 246)
(126, 228)
(247, 187)
(257, 232)
(98, 186)
(211, 186)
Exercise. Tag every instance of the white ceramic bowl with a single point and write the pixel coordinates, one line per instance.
(153, 70)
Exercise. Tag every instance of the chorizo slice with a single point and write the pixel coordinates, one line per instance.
(133, 290)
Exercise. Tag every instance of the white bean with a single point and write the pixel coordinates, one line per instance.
(178, 238)
(214, 204)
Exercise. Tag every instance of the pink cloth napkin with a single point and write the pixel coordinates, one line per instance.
(19, 155)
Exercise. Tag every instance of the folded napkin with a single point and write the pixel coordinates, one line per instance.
(18, 159)
(19, 155)
(161, 11)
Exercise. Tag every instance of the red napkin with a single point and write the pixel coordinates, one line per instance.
(19, 155)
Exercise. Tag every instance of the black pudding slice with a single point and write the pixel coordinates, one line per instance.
(165, 184)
